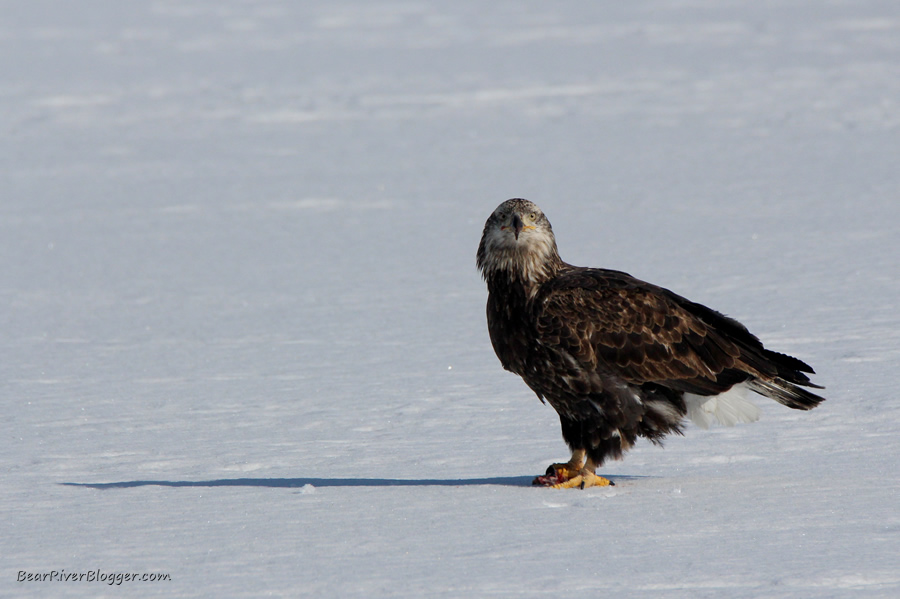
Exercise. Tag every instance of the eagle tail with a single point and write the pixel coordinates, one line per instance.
(788, 377)
(787, 393)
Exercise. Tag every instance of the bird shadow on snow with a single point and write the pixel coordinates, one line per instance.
(514, 481)
(288, 483)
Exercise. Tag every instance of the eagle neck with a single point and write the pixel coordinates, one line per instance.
(523, 277)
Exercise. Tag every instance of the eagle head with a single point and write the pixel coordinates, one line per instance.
(518, 242)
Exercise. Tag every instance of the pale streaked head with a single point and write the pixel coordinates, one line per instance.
(519, 240)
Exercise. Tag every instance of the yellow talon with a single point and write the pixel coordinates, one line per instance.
(563, 471)
(575, 473)
(584, 481)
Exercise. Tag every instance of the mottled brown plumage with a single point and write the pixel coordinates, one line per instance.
(616, 357)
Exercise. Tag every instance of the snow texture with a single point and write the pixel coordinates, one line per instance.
(243, 337)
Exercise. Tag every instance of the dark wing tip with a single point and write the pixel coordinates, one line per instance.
(789, 361)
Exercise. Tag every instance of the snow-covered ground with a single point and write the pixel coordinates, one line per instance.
(243, 338)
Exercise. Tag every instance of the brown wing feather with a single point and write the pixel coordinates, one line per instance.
(612, 322)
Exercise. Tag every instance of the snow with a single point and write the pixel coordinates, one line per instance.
(243, 334)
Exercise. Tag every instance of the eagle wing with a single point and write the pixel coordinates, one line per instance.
(617, 325)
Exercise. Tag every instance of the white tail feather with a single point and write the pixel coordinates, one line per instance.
(727, 408)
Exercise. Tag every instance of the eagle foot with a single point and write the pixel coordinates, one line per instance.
(583, 481)
(556, 473)
(563, 476)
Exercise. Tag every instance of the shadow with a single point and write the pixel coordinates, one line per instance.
(293, 483)
(289, 483)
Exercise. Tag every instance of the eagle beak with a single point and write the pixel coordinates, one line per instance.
(518, 225)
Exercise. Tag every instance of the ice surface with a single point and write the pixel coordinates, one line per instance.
(243, 334)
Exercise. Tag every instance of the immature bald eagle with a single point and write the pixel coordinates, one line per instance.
(616, 357)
